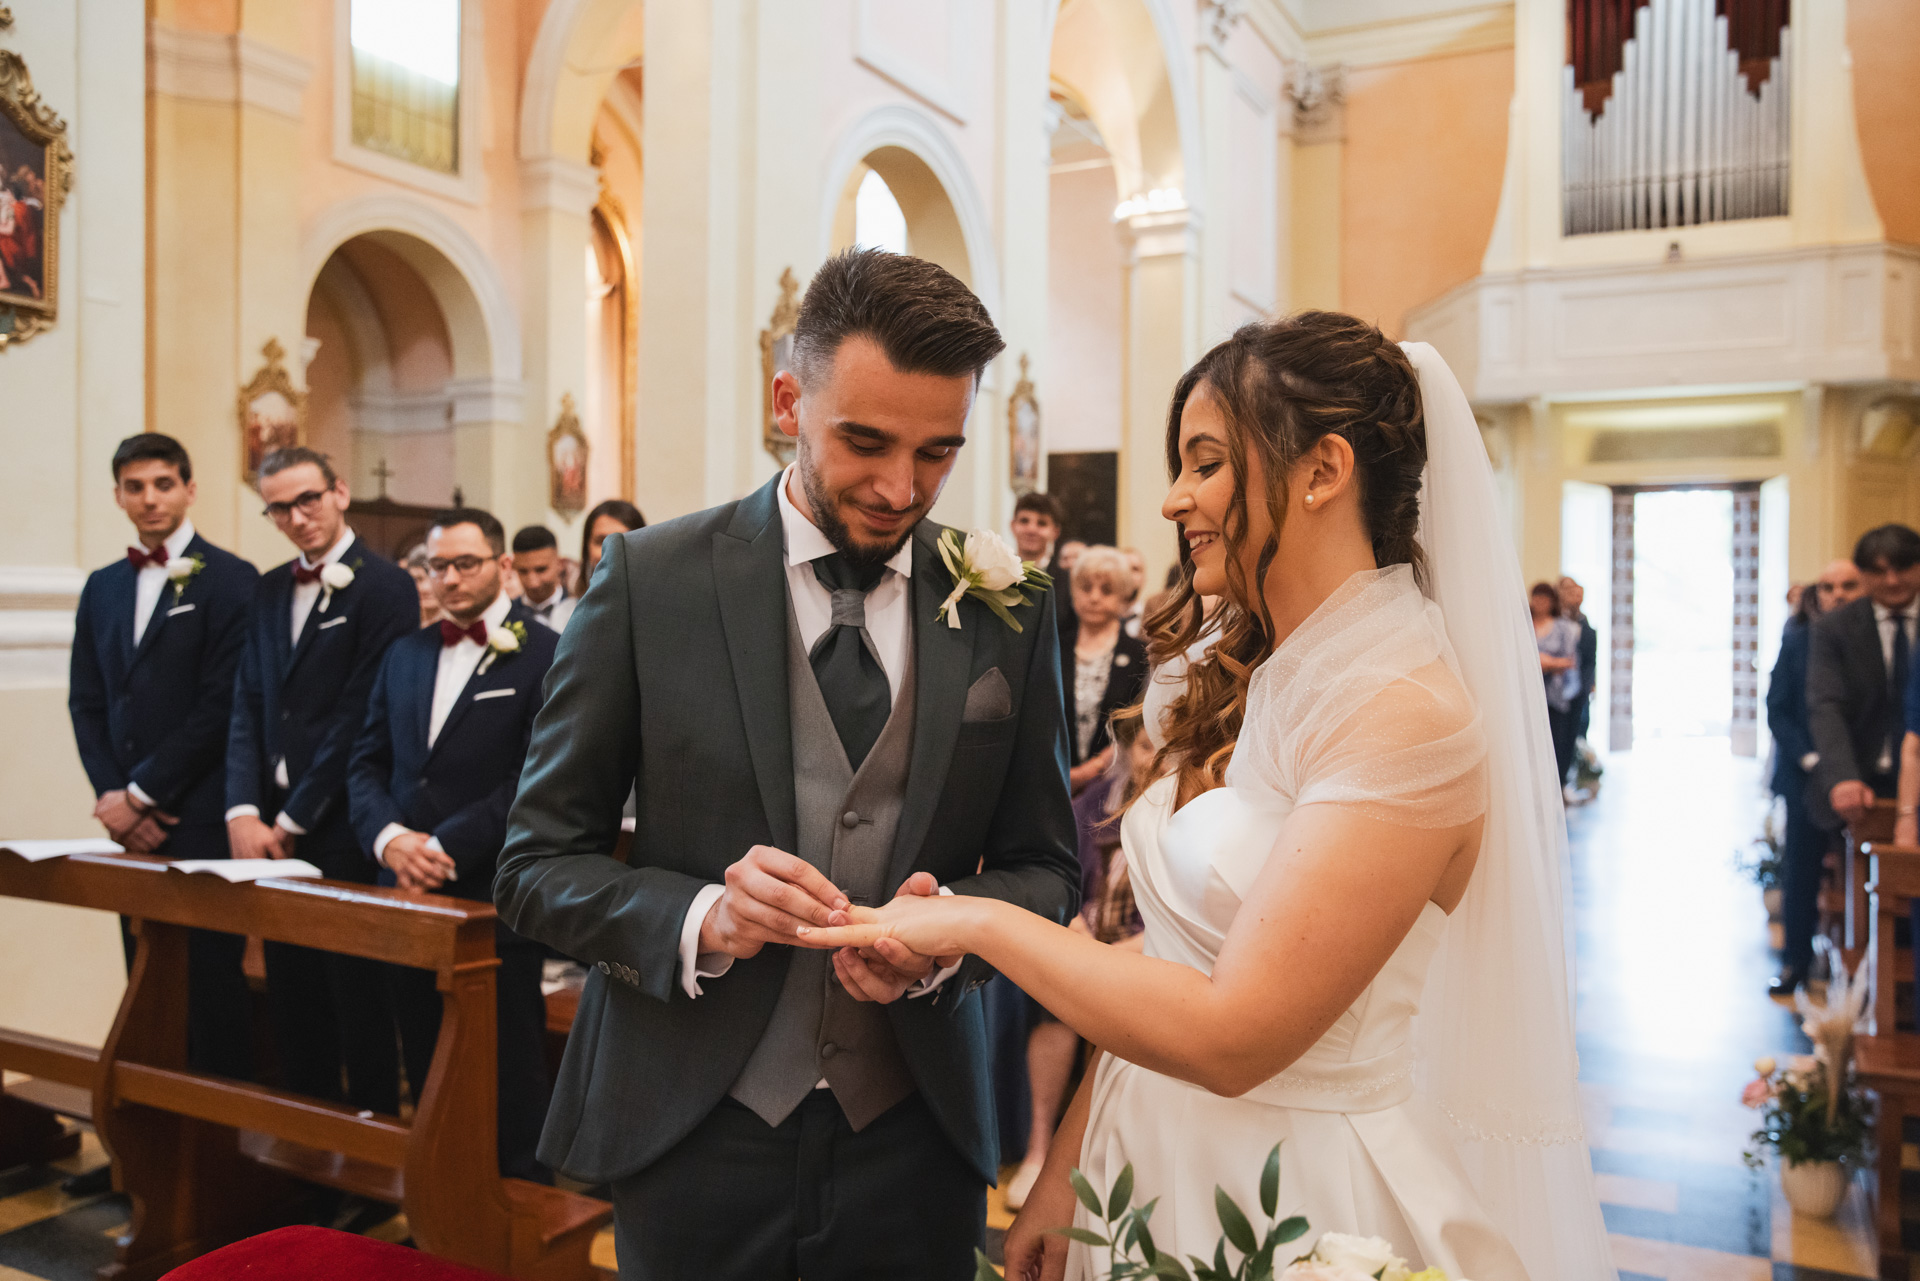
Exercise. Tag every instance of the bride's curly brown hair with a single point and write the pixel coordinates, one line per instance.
(1282, 386)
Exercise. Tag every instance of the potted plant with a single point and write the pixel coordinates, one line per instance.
(1761, 862)
(1814, 1115)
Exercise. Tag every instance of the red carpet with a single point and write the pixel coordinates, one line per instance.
(320, 1254)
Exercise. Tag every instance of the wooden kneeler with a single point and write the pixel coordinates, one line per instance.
(209, 1160)
(1888, 1057)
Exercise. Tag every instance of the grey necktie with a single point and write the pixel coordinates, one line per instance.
(852, 682)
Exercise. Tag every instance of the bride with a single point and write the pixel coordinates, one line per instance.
(1351, 866)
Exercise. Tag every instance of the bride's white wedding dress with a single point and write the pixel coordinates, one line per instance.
(1442, 1110)
(1387, 728)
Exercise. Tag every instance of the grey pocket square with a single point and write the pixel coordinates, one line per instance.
(989, 698)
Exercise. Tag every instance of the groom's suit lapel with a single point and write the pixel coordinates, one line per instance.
(749, 573)
(942, 659)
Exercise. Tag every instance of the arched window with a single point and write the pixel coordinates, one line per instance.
(406, 79)
(878, 222)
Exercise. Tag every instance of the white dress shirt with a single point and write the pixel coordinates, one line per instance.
(558, 609)
(152, 580)
(305, 595)
(889, 624)
(148, 584)
(1885, 617)
(458, 663)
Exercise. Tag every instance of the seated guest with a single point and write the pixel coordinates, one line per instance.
(316, 631)
(433, 776)
(536, 560)
(615, 516)
(150, 691)
(1857, 666)
(415, 562)
(1103, 668)
(1066, 553)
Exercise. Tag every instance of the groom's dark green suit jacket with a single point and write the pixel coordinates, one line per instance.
(671, 678)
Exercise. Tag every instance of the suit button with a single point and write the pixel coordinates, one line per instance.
(605, 968)
(286, 716)
(849, 820)
(828, 1050)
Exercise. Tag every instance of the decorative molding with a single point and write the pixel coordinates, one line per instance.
(1319, 97)
(206, 66)
(1474, 29)
(1167, 234)
(567, 494)
(1218, 18)
(486, 400)
(391, 413)
(1275, 22)
(555, 182)
(40, 587)
(939, 91)
(546, 63)
(37, 605)
(272, 412)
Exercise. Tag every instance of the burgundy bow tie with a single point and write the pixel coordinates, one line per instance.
(302, 575)
(452, 634)
(140, 559)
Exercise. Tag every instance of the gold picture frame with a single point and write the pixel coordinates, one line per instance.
(1023, 434)
(36, 173)
(776, 354)
(272, 411)
(567, 452)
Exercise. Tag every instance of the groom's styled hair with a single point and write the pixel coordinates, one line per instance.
(922, 316)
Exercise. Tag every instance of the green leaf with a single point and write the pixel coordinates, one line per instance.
(1084, 1190)
(1290, 1229)
(1148, 1250)
(1233, 1221)
(1082, 1235)
(1270, 1183)
(1121, 1194)
(1145, 1212)
(1168, 1266)
(1220, 1258)
(983, 1269)
(1006, 618)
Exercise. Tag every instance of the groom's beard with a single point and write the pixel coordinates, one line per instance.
(827, 518)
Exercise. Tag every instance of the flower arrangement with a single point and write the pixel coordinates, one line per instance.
(503, 642)
(1134, 1256)
(985, 568)
(1812, 1109)
(181, 570)
(1762, 861)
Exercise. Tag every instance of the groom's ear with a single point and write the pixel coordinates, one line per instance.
(786, 402)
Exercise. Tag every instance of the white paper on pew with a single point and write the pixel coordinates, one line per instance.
(248, 869)
(36, 851)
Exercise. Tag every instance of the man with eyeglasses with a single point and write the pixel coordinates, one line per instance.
(315, 634)
(433, 775)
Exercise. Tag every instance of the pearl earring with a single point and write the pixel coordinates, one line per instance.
(1309, 500)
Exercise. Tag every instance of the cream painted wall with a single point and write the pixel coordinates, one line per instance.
(73, 392)
(1081, 397)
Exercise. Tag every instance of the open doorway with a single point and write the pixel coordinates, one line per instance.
(1683, 586)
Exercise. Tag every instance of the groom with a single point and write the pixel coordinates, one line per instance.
(802, 734)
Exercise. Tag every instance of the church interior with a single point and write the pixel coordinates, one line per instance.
(533, 255)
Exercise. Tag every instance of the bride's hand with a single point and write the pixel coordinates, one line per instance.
(1034, 1251)
(942, 927)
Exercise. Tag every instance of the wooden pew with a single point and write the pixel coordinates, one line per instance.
(1875, 826)
(1888, 1056)
(209, 1160)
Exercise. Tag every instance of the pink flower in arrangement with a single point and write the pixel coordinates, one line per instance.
(1757, 1093)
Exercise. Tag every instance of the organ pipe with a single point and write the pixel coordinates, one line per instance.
(1689, 125)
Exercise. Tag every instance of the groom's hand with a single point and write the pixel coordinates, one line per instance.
(769, 896)
(884, 972)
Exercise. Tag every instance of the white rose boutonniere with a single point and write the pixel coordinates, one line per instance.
(334, 577)
(1360, 1256)
(985, 568)
(503, 642)
(180, 572)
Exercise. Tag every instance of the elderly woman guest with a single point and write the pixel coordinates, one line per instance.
(1559, 641)
(1105, 669)
(615, 516)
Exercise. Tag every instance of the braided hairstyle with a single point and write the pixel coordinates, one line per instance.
(1282, 386)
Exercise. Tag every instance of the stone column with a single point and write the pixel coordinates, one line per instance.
(503, 461)
(1162, 302)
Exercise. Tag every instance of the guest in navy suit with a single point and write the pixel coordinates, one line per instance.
(434, 773)
(155, 644)
(316, 632)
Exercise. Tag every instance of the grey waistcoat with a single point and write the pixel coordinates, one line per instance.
(846, 825)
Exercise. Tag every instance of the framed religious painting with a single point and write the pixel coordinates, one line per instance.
(1023, 434)
(776, 354)
(567, 450)
(273, 412)
(35, 171)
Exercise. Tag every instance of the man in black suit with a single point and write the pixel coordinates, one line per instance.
(155, 644)
(1857, 678)
(433, 774)
(315, 634)
(805, 733)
